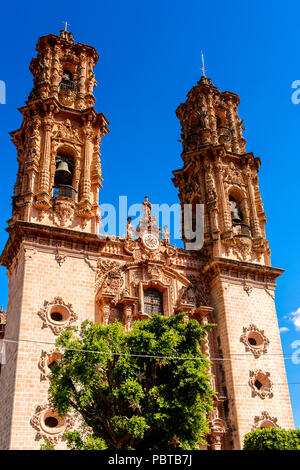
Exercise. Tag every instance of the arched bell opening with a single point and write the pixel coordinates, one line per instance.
(238, 212)
(67, 81)
(64, 175)
(235, 210)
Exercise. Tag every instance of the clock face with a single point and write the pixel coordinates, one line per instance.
(150, 240)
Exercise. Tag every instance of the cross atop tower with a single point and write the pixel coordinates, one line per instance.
(66, 25)
(203, 68)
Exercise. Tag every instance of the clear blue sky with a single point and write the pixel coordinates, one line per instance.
(149, 59)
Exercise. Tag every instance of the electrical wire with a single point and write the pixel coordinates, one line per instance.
(157, 355)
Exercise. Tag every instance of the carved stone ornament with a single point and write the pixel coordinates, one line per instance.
(63, 213)
(130, 246)
(233, 175)
(218, 431)
(154, 272)
(265, 420)
(218, 426)
(150, 241)
(60, 258)
(260, 383)
(109, 277)
(52, 433)
(47, 359)
(248, 289)
(255, 340)
(57, 315)
(242, 248)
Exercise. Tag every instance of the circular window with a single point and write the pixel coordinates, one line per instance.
(51, 422)
(267, 424)
(255, 339)
(58, 314)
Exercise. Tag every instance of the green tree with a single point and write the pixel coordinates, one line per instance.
(127, 401)
(272, 439)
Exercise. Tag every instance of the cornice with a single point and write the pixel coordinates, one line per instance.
(229, 268)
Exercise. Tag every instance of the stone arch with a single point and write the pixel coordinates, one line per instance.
(65, 152)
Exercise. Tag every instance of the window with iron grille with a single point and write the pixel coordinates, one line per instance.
(153, 302)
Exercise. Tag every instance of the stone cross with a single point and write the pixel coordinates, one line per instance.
(203, 68)
(66, 25)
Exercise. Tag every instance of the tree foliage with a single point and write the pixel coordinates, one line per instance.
(272, 439)
(126, 401)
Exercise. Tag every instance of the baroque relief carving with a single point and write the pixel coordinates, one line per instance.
(265, 420)
(109, 277)
(60, 258)
(248, 289)
(63, 213)
(39, 421)
(261, 384)
(57, 315)
(254, 340)
(48, 358)
(197, 293)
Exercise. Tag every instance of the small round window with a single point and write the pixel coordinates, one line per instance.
(52, 423)
(58, 314)
(255, 339)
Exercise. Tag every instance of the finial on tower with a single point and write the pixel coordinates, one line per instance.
(203, 67)
(66, 25)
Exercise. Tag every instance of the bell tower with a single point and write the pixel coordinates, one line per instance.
(218, 173)
(58, 144)
(52, 250)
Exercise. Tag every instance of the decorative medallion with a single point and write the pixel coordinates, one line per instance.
(260, 383)
(254, 340)
(57, 315)
(150, 241)
(49, 424)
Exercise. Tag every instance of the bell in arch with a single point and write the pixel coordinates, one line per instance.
(62, 174)
(236, 215)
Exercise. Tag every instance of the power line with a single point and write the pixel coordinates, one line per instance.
(154, 356)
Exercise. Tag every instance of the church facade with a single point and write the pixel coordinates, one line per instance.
(60, 272)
